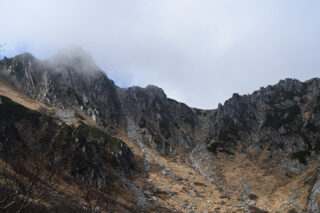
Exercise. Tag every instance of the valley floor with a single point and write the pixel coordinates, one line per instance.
(238, 185)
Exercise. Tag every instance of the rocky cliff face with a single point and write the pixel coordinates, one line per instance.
(281, 120)
(92, 153)
(166, 124)
(277, 126)
(65, 86)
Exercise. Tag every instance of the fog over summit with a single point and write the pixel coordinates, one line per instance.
(74, 57)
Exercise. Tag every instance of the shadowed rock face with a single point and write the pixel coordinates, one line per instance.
(282, 120)
(276, 127)
(95, 157)
(56, 84)
(167, 124)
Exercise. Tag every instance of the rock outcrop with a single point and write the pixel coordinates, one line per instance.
(277, 126)
(92, 153)
(59, 84)
(281, 120)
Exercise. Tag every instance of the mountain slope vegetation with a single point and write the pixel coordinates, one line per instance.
(254, 153)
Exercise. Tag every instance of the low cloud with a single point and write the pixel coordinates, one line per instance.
(74, 57)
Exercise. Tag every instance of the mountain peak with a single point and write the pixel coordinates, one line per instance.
(213, 154)
(155, 90)
(25, 57)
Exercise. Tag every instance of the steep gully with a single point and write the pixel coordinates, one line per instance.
(276, 127)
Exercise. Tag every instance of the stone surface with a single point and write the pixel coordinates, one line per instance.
(282, 121)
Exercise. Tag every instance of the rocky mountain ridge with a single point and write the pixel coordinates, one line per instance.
(276, 126)
(61, 86)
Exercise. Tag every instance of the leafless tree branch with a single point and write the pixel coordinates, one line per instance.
(94, 200)
(28, 176)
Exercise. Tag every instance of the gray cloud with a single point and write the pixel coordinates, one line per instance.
(198, 51)
(75, 57)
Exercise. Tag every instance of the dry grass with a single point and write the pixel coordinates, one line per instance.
(188, 187)
(9, 91)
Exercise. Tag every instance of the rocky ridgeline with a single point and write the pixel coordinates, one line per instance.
(282, 119)
(59, 84)
(279, 125)
(167, 126)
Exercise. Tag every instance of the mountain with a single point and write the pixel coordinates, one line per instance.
(255, 153)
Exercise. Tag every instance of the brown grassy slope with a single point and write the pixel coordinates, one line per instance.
(184, 189)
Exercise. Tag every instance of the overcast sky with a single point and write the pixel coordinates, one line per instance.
(198, 51)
